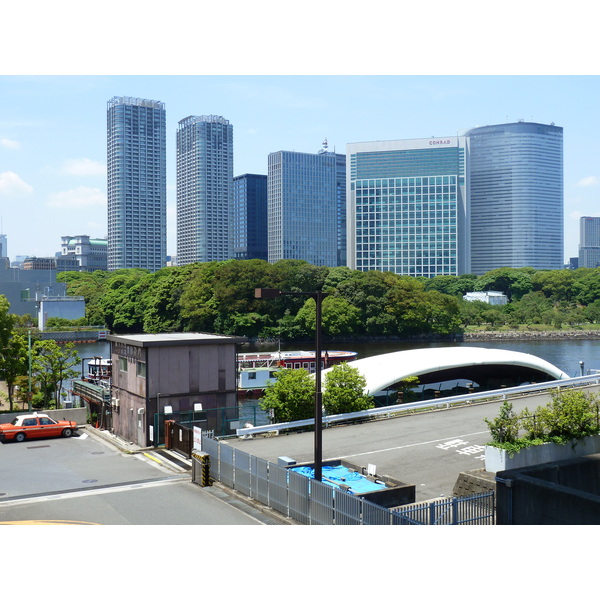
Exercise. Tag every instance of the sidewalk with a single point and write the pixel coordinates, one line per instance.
(110, 438)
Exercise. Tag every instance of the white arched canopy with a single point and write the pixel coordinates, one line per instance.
(385, 370)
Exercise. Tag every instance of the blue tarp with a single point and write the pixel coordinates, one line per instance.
(337, 476)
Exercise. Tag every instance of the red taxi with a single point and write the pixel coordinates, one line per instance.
(36, 425)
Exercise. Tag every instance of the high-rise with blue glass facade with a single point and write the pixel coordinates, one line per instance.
(250, 217)
(204, 189)
(136, 184)
(407, 206)
(516, 196)
(304, 195)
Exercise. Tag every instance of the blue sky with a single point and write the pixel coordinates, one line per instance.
(287, 77)
(53, 133)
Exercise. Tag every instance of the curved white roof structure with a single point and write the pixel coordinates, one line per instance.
(384, 370)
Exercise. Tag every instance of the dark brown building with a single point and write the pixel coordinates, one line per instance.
(158, 376)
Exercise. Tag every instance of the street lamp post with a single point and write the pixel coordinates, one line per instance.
(318, 297)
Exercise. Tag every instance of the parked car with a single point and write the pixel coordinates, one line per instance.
(33, 426)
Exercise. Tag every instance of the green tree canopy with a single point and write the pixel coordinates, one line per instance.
(51, 366)
(13, 363)
(291, 397)
(512, 282)
(344, 390)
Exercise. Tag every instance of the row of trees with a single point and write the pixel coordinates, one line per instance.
(292, 396)
(219, 297)
(48, 363)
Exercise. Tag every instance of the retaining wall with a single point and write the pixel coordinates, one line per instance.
(79, 415)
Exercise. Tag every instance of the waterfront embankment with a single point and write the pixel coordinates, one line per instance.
(558, 334)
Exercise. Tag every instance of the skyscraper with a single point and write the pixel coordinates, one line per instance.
(303, 199)
(137, 184)
(589, 242)
(250, 217)
(516, 196)
(407, 206)
(204, 189)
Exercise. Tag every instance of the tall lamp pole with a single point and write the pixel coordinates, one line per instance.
(318, 297)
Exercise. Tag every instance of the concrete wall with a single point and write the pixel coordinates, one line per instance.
(559, 493)
(500, 460)
(79, 415)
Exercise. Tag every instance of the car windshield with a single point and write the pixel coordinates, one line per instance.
(14, 421)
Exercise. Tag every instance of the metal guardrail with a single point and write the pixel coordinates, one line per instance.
(471, 398)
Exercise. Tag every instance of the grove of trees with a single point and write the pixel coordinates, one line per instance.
(51, 363)
(219, 297)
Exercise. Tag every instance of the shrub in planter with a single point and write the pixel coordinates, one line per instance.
(570, 415)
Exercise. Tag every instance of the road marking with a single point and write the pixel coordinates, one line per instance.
(47, 522)
(409, 445)
(153, 458)
(93, 492)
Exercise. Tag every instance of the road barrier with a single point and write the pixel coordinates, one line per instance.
(434, 404)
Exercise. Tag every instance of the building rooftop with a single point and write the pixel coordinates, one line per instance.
(174, 339)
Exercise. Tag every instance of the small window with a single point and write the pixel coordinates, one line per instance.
(252, 375)
(123, 364)
(141, 369)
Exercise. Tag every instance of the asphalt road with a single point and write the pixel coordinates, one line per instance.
(82, 480)
(428, 450)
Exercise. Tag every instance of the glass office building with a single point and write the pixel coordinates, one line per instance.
(516, 196)
(304, 193)
(204, 189)
(589, 242)
(250, 217)
(136, 184)
(407, 206)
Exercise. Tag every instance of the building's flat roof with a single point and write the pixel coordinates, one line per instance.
(174, 339)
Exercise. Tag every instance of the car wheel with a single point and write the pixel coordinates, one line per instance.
(19, 437)
(67, 432)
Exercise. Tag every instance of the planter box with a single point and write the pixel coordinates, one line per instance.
(499, 460)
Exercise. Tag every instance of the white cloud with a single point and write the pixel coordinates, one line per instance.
(83, 166)
(10, 144)
(81, 197)
(11, 184)
(589, 181)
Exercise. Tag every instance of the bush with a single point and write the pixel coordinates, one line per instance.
(570, 415)
(505, 427)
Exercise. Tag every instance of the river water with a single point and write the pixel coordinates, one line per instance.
(562, 353)
(565, 354)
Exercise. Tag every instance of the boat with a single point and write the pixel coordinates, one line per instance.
(257, 370)
(99, 369)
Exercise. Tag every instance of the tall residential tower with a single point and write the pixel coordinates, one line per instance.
(137, 184)
(516, 196)
(204, 189)
(407, 208)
